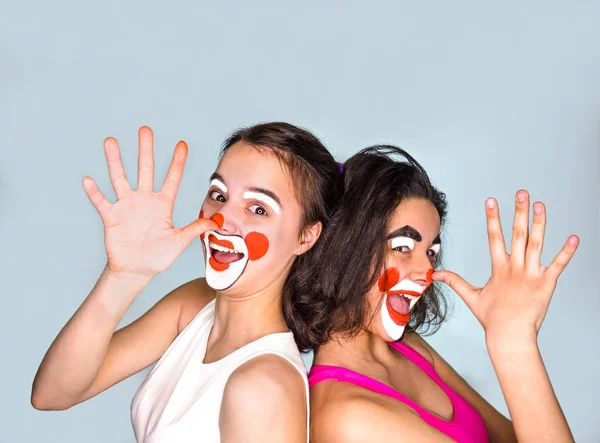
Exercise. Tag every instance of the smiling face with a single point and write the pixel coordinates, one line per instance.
(252, 200)
(412, 245)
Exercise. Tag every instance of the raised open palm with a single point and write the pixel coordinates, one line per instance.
(138, 229)
(516, 297)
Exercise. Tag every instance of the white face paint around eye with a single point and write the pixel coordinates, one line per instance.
(271, 203)
(218, 184)
(436, 248)
(398, 242)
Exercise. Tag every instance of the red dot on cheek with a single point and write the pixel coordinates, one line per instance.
(257, 244)
(218, 219)
(388, 279)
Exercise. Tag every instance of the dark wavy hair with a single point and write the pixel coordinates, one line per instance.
(351, 254)
(318, 186)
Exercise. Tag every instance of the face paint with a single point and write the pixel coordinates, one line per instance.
(269, 201)
(218, 184)
(400, 297)
(228, 255)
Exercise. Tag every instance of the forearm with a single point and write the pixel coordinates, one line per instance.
(76, 355)
(532, 403)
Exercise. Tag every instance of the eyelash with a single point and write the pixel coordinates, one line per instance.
(259, 207)
(216, 195)
(430, 252)
(212, 196)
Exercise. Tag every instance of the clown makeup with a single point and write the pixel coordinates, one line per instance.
(408, 273)
(265, 196)
(246, 203)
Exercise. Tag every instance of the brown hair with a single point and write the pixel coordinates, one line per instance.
(351, 254)
(318, 186)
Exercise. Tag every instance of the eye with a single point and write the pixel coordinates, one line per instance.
(434, 250)
(258, 210)
(217, 196)
(404, 245)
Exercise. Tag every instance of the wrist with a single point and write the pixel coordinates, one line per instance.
(116, 291)
(128, 279)
(503, 344)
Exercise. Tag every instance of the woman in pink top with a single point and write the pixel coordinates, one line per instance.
(374, 379)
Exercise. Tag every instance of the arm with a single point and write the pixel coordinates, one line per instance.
(511, 308)
(264, 401)
(140, 242)
(499, 428)
(88, 357)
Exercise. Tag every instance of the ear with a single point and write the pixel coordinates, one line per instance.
(309, 237)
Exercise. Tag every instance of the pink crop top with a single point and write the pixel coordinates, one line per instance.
(465, 427)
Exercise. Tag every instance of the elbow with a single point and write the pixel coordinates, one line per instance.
(43, 402)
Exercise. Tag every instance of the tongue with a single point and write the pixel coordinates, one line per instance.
(399, 303)
(226, 257)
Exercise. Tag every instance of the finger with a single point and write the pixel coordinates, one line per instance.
(146, 159)
(100, 202)
(465, 290)
(520, 230)
(495, 235)
(563, 258)
(536, 238)
(175, 173)
(196, 228)
(115, 168)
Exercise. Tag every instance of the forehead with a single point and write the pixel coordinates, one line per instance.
(245, 166)
(418, 213)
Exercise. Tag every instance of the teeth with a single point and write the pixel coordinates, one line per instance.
(224, 249)
(220, 248)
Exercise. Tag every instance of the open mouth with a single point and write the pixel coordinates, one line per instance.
(223, 251)
(399, 304)
(227, 257)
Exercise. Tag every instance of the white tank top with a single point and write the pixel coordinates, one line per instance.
(180, 400)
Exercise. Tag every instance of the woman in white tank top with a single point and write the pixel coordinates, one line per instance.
(228, 366)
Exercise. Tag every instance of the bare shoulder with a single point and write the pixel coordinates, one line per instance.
(194, 295)
(346, 413)
(264, 400)
(269, 376)
(418, 344)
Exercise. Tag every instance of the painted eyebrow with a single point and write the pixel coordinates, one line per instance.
(268, 193)
(406, 231)
(217, 176)
(437, 240)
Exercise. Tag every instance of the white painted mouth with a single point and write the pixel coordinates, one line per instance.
(394, 330)
(221, 280)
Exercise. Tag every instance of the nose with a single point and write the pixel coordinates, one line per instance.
(230, 219)
(420, 273)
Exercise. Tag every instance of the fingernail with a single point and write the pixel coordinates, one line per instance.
(490, 203)
(521, 196)
(537, 208)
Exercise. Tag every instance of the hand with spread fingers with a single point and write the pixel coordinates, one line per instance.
(514, 301)
(139, 235)
(511, 308)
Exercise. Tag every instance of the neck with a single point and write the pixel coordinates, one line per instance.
(243, 318)
(363, 348)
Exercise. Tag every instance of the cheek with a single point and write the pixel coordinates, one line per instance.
(388, 279)
(257, 244)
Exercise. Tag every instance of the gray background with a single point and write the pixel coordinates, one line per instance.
(489, 97)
